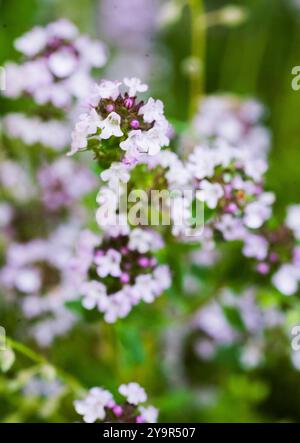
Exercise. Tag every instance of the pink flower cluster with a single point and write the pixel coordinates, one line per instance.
(116, 273)
(36, 277)
(99, 405)
(136, 127)
(57, 64)
(276, 252)
(230, 182)
(56, 72)
(236, 121)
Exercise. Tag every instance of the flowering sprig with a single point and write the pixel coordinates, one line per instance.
(99, 405)
(116, 273)
(118, 119)
(231, 182)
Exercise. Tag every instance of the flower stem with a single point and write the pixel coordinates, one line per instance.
(197, 58)
(71, 381)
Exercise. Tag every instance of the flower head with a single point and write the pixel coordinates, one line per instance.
(142, 128)
(119, 272)
(135, 85)
(92, 408)
(57, 64)
(99, 405)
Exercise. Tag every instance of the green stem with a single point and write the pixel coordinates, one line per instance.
(71, 381)
(22, 349)
(198, 49)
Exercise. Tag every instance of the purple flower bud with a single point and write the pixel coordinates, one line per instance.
(273, 257)
(232, 207)
(139, 419)
(117, 410)
(124, 277)
(263, 268)
(143, 262)
(135, 124)
(110, 107)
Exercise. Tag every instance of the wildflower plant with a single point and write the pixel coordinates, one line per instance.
(151, 251)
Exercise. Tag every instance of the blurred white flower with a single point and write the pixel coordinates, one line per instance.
(92, 407)
(293, 219)
(133, 392)
(210, 193)
(286, 279)
(149, 414)
(108, 263)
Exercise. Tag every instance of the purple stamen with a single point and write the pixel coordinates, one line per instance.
(135, 124)
(117, 410)
(111, 404)
(227, 190)
(129, 161)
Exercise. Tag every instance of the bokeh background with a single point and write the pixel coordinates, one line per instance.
(253, 59)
